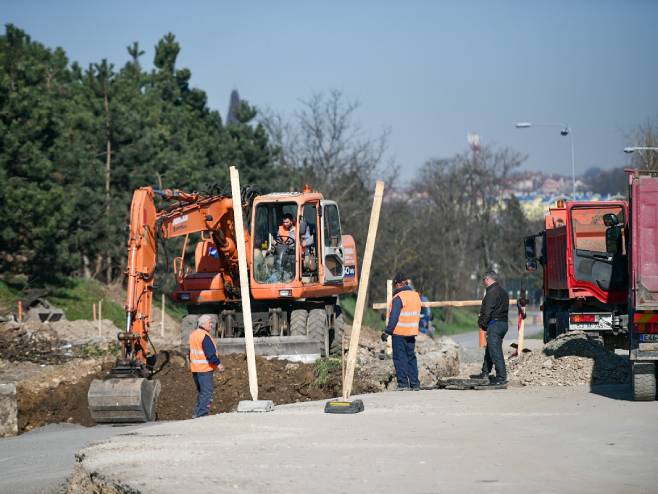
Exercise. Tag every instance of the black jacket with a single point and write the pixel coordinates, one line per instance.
(495, 305)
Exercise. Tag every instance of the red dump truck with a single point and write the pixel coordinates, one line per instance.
(643, 278)
(583, 252)
(600, 263)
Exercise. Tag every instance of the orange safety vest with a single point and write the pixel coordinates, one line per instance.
(198, 360)
(286, 233)
(409, 315)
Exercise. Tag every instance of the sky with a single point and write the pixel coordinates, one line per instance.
(430, 72)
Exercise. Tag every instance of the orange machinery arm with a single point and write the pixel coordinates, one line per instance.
(191, 214)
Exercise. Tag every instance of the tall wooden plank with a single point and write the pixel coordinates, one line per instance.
(244, 283)
(389, 300)
(363, 290)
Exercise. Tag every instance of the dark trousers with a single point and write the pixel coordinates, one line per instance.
(404, 359)
(204, 388)
(493, 354)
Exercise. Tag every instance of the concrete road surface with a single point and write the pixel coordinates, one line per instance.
(520, 440)
(41, 460)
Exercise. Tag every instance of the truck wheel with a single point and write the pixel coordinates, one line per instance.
(188, 325)
(644, 381)
(317, 326)
(298, 319)
(336, 335)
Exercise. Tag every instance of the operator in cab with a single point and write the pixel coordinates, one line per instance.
(403, 323)
(204, 359)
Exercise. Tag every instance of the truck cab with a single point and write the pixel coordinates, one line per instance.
(583, 252)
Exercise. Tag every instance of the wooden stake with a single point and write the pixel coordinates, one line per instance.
(20, 311)
(389, 300)
(244, 283)
(520, 340)
(363, 290)
(483, 339)
(93, 312)
(163, 316)
(100, 316)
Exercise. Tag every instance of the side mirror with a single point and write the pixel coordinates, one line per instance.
(531, 265)
(383, 316)
(530, 248)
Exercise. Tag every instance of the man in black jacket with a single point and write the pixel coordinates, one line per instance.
(493, 320)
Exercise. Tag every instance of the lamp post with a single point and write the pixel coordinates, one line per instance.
(566, 131)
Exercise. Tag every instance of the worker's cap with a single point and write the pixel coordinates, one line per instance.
(399, 278)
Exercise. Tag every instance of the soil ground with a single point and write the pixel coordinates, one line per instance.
(279, 380)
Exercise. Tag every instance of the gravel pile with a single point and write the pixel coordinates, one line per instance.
(569, 360)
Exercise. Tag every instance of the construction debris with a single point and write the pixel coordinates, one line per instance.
(571, 359)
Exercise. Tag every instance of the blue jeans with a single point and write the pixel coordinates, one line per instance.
(404, 359)
(204, 389)
(493, 354)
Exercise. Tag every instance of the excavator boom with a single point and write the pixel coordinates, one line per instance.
(128, 394)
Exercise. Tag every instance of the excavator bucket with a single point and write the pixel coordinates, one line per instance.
(125, 399)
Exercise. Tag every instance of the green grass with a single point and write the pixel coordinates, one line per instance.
(8, 298)
(77, 299)
(323, 368)
(371, 317)
(453, 320)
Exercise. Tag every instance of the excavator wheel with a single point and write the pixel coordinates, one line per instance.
(123, 399)
(298, 319)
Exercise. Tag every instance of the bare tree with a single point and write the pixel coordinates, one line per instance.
(645, 135)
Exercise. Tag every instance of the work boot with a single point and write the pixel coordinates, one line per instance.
(498, 381)
(481, 375)
(415, 388)
(404, 388)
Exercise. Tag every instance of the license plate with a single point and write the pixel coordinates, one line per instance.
(649, 338)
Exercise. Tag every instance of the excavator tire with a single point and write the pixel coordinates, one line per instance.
(316, 326)
(336, 335)
(298, 319)
(123, 400)
(188, 325)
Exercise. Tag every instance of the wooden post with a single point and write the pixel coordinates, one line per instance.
(100, 316)
(163, 316)
(244, 283)
(93, 312)
(20, 311)
(363, 290)
(389, 300)
(520, 340)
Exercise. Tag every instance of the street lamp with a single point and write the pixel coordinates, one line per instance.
(632, 149)
(565, 131)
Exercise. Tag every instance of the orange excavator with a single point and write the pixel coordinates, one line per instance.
(299, 263)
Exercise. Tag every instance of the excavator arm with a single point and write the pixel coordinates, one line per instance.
(128, 394)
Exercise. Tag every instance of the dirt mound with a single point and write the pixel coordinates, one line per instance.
(568, 360)
(33, 342)
(437, 358)
(43, 400)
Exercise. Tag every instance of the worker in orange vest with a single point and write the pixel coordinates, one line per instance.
(203, 361)
(403, 322)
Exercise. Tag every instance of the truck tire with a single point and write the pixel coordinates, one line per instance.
(298, 319)
(188, 325)
(316, 326)
(643, 381)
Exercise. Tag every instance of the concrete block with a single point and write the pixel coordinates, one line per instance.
(8, 410)
(255, 406)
